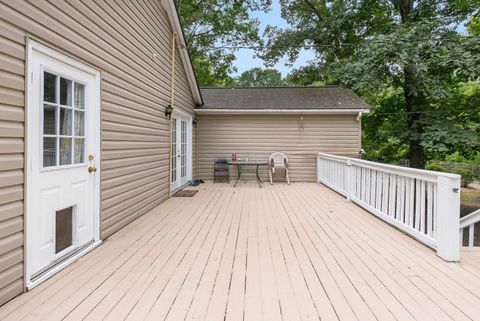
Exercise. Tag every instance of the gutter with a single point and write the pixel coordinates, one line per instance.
(172, 13)
(206, 111)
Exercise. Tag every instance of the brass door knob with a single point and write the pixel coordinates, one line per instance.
(92, 169)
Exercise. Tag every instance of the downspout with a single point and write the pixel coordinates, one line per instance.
(172, 94)
(359, 120)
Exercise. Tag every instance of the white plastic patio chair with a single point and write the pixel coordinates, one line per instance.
(278, 160)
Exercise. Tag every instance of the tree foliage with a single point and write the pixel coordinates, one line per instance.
(258, 77)
(474, 25)
(404, 56)
(210, 24)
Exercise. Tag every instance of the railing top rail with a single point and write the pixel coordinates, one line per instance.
(470, 219)
(413, 172)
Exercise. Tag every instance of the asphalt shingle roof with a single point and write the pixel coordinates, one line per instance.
(327, 97)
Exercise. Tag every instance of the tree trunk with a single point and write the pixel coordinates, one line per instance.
(413, 103)
(415, 128)
(416, 155)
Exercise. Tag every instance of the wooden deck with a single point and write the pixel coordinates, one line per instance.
(298, 252)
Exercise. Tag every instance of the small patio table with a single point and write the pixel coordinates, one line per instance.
(240, 164)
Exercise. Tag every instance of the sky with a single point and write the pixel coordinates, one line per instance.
(245, 57)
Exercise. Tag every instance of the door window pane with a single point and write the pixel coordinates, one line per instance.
(174, 150)
(78, 150)
(79, 96)
(65, 121)
(63, 229)
(183, 148)
(79, 128)
(65, 151)
(49, 120)
(49, 151)
(49, 86)
(65, 92)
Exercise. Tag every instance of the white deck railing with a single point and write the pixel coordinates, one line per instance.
(424, 204)
(469, 222)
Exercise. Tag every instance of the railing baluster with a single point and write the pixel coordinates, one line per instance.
(401, 198)
(391, 196)
(429, 209)
(398, 206)
(471, 234)
(422, 206)
(386, 179)
(378, 190)
(417, 204)
(412, 202)
(408, 201)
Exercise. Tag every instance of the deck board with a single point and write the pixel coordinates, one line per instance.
(282, 252)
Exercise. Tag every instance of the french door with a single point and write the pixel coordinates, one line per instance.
(63, 159)
(181, 161)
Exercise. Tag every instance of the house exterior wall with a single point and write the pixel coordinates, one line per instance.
(257, 136)
(118, 38)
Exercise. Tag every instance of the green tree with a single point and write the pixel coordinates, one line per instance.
(474, 25)
(212, 28)
(372, 45)
(258, 77)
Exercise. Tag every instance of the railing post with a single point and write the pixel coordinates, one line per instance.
(448, 218)
(350, 181)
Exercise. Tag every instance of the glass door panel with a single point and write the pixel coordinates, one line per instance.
(174, 150)
(183, 149)
(63, 127)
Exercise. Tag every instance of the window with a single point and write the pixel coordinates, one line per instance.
(63, 129)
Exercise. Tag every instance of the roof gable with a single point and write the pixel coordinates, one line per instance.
(174, 19)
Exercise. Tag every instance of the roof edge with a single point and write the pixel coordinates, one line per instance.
(272, 87)
(174, 18)
(330, 111)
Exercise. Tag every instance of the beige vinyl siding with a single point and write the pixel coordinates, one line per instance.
(257, 136)
(12, 52)
(119, 38)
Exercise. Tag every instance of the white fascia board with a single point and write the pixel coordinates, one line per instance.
(205, 111)
(184, 56)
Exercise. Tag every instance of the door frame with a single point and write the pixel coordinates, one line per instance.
(181, 114)
(30, 139)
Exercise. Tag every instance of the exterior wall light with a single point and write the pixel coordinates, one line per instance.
(168, 111)
(194, 122)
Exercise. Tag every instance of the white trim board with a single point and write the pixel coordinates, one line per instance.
(181, 115)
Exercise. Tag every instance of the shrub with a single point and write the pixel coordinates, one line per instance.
(435, 167)
(467, 176)
(455, 158)
(477, 159)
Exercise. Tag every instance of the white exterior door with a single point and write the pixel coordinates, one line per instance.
(62, 158)
(181, 150)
